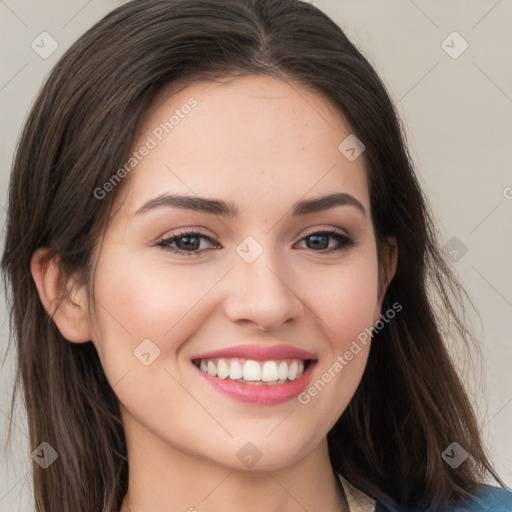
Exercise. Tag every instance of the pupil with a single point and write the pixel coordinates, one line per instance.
(316, 237)
(187, 240)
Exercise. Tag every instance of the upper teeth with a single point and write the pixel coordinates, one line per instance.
(251, 370)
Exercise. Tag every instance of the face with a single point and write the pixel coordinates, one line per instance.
(266, 282)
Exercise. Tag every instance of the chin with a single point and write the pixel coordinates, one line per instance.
(265, 454)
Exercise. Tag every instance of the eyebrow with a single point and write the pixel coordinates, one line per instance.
(228, 209)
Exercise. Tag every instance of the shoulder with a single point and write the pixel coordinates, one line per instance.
(487, 499)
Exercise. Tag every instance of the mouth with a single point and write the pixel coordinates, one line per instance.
(256, 382)
(253, 372)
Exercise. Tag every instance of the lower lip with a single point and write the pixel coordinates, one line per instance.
(261, 394)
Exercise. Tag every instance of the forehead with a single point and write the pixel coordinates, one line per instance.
(256, 140)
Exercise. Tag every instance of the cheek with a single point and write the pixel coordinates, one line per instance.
(136, 301)
(346, 305)
(346, 301)
(148, 298)
(144, 315)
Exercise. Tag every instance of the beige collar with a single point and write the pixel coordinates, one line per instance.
(357, 500)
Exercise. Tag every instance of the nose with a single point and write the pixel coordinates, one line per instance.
(262, 292)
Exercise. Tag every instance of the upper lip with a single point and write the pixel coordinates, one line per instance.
(259, 353)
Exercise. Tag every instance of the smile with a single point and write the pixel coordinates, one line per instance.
(249, 371)
(250, 387)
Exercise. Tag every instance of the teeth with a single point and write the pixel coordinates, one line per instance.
(252, 370)
(248, 370)
(235, 370)
(211, 369)
(222, 370)
(283, 371)
(292, 371)
(269, 371)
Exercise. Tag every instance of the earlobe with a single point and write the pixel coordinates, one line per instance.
(67, 307)
(392, 258)
(388, 270)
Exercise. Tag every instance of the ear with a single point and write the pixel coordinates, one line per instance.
(387, 270)
(70, 315)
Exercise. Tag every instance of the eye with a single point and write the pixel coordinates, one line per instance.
(320, 240)
(188, 242)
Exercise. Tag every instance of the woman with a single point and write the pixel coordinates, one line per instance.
(185, 342)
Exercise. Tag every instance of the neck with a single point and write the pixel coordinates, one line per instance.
(163, 477)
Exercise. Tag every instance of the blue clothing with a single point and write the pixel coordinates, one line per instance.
(487, 499)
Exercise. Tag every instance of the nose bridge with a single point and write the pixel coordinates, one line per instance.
(262, 291)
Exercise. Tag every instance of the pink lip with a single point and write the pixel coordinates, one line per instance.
(260, 394)
(259, 353)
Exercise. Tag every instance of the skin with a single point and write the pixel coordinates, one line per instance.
(263, 144)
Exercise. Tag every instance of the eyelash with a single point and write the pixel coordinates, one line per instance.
(344, 240)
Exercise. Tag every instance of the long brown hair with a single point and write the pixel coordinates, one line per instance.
(410, 404)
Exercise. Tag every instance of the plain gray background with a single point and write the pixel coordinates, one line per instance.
(456, 108)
